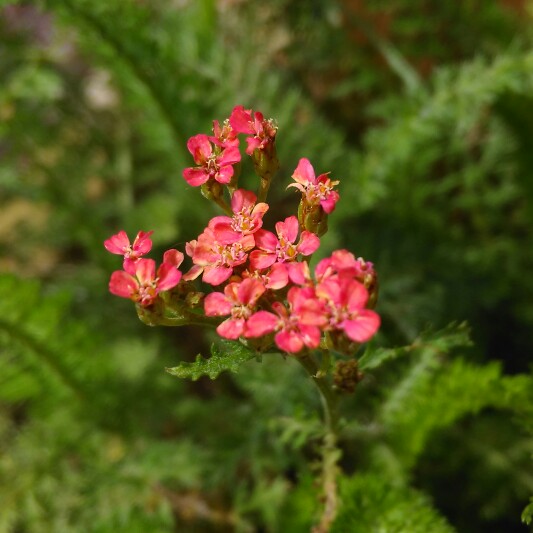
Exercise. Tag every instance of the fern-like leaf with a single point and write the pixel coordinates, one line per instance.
(373, 505)
(227, 355)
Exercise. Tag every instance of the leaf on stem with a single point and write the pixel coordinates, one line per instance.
(226, 355)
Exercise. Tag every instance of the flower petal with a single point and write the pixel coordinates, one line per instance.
(168, 277)
(142, 243)
(200, 148)
(304, 172)
(356, 296)
(363, 327)
(250, 290)
(260, 259)
(122, 284)
(145, 271)
(277, 277)
(266, 240)
(232, 328)
(308, 244)
(195, 176)
(241, 120)
(260, 324)
(216, 304)
(174, 257)
(289, 341)
(117, 244)
(216, 275)
(288, 229)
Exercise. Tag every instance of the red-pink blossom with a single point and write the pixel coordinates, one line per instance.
(283, 248)
(343, 263)
(261, 131)
(215, 259)
(276, 277)
(120, 244)
(224, 135)
(297, 326)
(345, 301)
(212, 164)
(239, 301)
(316, 190)
(141, 283)
(247, 217)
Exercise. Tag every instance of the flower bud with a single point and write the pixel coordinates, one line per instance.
(346, 375)
(312, 218)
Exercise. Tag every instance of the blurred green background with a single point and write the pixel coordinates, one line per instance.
(424, 112)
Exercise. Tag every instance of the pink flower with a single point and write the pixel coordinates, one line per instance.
(296, 327)
(275, 278)
(213, 164)
(224, 135)
(262, 132)
(316, 190)
(345, 303)
(343, 263)
(239, 301)
(141, 283)
(120, 244)
(282, 248)
(247, 217)
(215, 259)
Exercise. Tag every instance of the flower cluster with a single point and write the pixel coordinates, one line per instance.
(262, 288)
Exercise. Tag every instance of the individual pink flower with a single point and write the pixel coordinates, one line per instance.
(212, 164)
(296, 327)
(239, 301)
(120, 244)
(276, 277)
(343, 263)
(315, 190)
(282, 248)
(141, 283)
(247, 217)
(261, 131)
(214, 259)
(224, 135)
(345, 308)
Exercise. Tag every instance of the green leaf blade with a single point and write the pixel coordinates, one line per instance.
(225, 356)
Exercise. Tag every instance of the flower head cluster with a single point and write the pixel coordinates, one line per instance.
(139, 281)
(260, 284)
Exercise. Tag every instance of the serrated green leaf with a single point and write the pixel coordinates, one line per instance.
(227, 355)
(527, 514)
(373, 358)
(452, 336)
(372, 505)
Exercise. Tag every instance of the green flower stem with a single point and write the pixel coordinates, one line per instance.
(330, 451)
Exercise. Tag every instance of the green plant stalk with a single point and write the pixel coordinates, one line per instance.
(330, 451)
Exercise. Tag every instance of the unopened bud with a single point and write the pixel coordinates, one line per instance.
(347, 375)
(312, 218)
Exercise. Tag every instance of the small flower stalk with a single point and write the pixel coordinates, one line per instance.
(254, 282)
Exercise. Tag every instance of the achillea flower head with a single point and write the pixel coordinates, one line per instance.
(283, 248)
(141, 283)
(297, 326)
(214, 259)
(345, 307)
(316, 191)
(261, 132)
(239, 301)
(119, 244)
(212, 164)
(247, 217)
